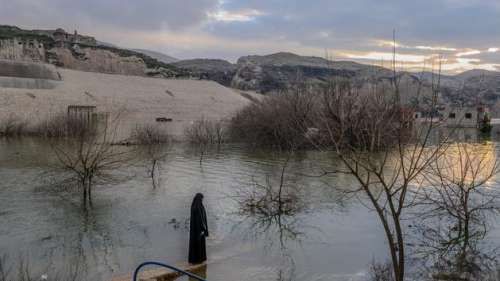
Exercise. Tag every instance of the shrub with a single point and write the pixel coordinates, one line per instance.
(13, 127)
(61, 125)
(205, 132)
(149, 135)
(280, 120)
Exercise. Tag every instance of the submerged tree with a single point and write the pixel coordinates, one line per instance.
(204, 133)
(88, 157)
(155, 143)
(273, 205)
(372, 131)
(455, 209)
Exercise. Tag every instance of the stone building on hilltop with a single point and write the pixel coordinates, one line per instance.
(66, 40)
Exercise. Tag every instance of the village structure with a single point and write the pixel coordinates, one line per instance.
(33, 50)
(459, 117)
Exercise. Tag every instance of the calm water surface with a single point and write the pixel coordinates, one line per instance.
(330, 238)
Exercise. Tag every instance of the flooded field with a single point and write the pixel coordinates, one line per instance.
(328, 237)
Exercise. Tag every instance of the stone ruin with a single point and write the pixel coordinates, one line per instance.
(22, 50)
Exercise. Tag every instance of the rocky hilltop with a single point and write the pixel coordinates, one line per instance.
(273, 72)
(156, 55)
(217, 70)
(278, 71)
(80, 52)
(263, 74)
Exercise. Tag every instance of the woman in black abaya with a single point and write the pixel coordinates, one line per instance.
(198, 230)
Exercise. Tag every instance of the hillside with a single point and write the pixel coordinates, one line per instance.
(161, 57)
(263, 74)
(81, 52)
(278, 71)
(139, 100)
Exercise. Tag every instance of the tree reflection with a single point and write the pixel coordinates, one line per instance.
(457, 206)
(273, 207)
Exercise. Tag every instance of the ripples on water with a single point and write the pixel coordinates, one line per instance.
(131, 222)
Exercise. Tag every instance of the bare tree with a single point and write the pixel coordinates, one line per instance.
(89, 157)
(381, 271)
(374, 135)
(278, 120)
(154, 143)
(273, 204)
(455, 209)
(12, 127)
(205, 133)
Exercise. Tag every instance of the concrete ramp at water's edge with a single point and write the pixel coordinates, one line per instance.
(163, 274)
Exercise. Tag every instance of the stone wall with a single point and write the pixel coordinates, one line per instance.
(27, 83)
(22, 50)
(9, 68)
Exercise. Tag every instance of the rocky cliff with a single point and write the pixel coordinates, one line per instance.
(79, 52)
(278, 71)
(96, 60)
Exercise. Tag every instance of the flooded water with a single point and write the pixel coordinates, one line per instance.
(327, 238)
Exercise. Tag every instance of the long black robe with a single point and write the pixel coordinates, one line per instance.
(198, 230)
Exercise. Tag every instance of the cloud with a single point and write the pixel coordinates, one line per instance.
(391, 44)
(388, 57)
(468, 53)
(350, 29)
(434, 48)
(239, 16)
(130, 14)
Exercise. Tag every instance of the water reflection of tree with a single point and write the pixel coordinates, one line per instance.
(455, 213)
(23, 270)
(154, 147)
(273, 206)
(84, 238)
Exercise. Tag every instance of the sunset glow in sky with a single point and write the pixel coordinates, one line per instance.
(461, 34)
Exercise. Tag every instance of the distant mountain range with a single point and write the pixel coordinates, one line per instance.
(157, 55)
(277, 71)
(262, 74)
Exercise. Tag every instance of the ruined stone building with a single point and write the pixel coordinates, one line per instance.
(66, 40)
(22, 50)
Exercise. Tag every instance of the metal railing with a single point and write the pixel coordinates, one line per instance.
(138, 269)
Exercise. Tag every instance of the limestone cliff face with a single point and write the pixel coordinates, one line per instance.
(97, 60)
(278, 71)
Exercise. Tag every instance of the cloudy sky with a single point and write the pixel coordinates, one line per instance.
(461, 34)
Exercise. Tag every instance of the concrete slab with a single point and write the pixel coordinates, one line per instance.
(164, 274)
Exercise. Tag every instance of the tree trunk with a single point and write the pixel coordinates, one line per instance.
(89, 192)
(84, 198)
(152, 174)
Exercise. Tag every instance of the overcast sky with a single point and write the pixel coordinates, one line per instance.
(462, 34)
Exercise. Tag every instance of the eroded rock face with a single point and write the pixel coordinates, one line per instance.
(217, 70)
(97, 60)
(268, 75)
(22, 50)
